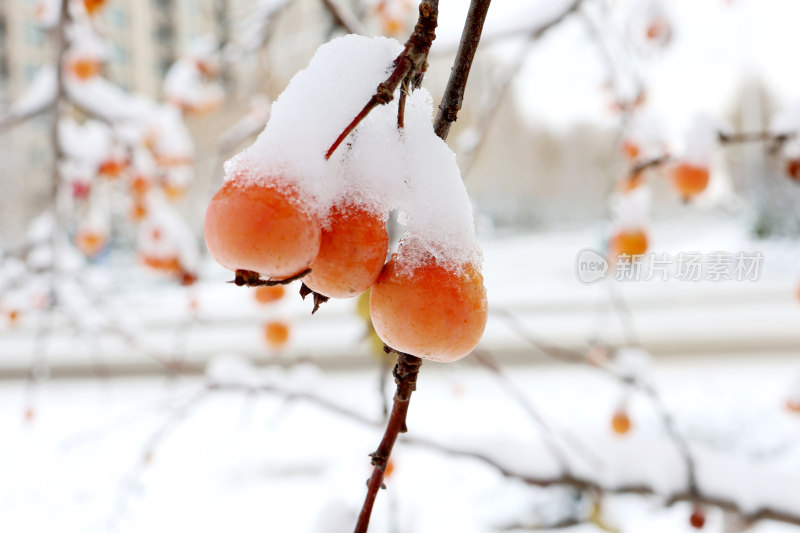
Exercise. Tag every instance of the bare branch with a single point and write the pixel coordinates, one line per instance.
(405, 375)
(454, 92)
(579, 483)
(342, 18)
(409, 67)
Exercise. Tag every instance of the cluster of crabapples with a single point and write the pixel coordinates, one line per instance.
(293, 207)
(429, 309)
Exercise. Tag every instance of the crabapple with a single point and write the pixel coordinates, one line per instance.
(429, 309)
(629, 242)
(690, 180)
(267, 294)
(261, 228)
(621, 422)
(276, 334)
(352, 252)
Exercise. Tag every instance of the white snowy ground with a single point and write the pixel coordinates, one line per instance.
(248, 464)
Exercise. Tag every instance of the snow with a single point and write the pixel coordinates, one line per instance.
(378, 165)
(630, 211)
(248, 462)
(702, 138)
(164, 234)
(39, 94)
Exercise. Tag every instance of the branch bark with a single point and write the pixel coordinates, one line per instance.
(405, 375)
(409, 67)
(454, 93)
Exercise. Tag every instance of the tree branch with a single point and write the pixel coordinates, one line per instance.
(409, 67)
(405, 375)
(454, 93)
(580, 483)
(342, 18)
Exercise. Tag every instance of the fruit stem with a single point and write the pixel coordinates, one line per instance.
(409, 68)
(252, 279)
(405, 376)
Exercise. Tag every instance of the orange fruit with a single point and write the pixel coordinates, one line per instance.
(352, 252)
(429, 309)
(268, 294)
(629, 242)
(690, 180)
(276, 334)
(261, 228)
(620, 423)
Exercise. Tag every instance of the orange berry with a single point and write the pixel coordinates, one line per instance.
(690, 180)
(268, 294)
(793, 406)
(84, 68)
(174, 192)
(138, 212)
(164, 264)
(351, 254)
(630, 243)
(389, 469)
(793, 169)
(13, 316)
(631, 150)
(620, 423)
(276, 333)
(139, 186)
(93, 6)
(698, 518)
(90, 242)
(261, 228)
(429, 310)
(111, 168)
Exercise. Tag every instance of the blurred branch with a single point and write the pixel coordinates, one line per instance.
(343, 18)
(550, 435)
(647, 389)
(501, 465)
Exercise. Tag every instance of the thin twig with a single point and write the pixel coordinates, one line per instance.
(454, 92)
(550, 435)
(409, 67)
(342, 18)
(579, 483)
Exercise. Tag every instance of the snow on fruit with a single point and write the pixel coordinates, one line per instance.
(285, 208)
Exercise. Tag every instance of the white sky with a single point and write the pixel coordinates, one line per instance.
(715, 46)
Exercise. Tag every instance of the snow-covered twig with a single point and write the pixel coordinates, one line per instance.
(500, 464)
(409, 69)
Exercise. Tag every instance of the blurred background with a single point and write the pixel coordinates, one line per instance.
(141, 392)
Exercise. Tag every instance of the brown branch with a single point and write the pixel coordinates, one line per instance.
(253, 279)
(454, 93)
(405, 375)
(409, 67)
(342, 18)
(755, 136)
